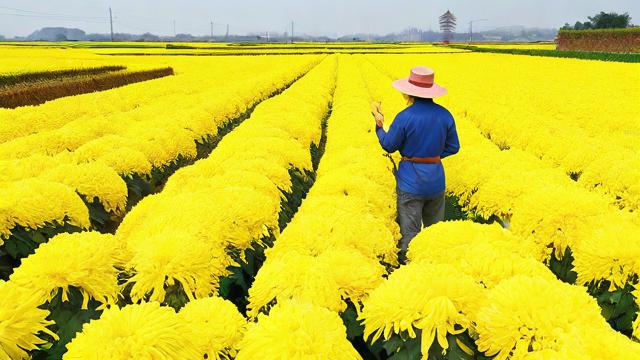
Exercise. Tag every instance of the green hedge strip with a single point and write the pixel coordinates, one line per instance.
(585, 55)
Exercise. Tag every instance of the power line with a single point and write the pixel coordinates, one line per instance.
(48, 14)
(55, 18)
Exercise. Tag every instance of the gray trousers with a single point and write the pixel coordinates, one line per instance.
(415, 211)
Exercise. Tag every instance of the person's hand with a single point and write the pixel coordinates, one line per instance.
(379, 119)
(377, 113)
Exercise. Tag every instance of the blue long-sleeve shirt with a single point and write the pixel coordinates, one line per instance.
(424, 129)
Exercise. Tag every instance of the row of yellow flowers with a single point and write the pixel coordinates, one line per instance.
(332, 253)
(43, 173)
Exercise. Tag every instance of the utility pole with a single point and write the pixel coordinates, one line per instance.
(174, 27)
(471, 28)
(211, 29)
(226, 37)
(111, 22)
(292, 32)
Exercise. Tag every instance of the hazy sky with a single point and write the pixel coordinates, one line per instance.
(329, 17)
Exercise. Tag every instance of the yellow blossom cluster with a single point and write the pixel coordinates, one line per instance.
(464, 276)
(296, 329)
(208, 328)
(217, 326)
(32, 203)
(20, 322)
(85, 145)
(85, 260)
(228, 201)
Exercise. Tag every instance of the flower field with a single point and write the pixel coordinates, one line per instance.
(242, 208)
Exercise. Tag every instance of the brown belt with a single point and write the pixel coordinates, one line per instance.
(423, 160)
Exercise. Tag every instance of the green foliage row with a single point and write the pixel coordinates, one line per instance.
(23, 78)
(36, 92)
(632, 30)
(585, 55)
(627, 34)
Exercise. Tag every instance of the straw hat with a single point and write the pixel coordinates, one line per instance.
(420, 84)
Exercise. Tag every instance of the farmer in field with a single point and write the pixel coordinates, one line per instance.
(424, 133)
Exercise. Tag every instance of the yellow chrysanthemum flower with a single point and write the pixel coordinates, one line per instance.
(435, 299)
(450, 237)
(21, 321)
(294, 276)
(526, 313)
(33, 203)
(216, 326)
(487, 253)
(176, 258)
(297, 330)
(607, 253)
(93, 180)
(144, 331)
(85, 260)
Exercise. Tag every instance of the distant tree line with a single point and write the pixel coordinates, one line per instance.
(602, 21)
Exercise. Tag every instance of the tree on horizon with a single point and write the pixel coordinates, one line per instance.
(447, 25)
(602, 21)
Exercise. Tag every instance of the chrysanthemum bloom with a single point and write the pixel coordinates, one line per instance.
(527, 313)
(21, 321)
(559, 216)
(450, 237)
(84, 260)
(347, 202)
(93, 180)
(603, 343)
(355, 274)
(34, 203)
(436, 299)
(216, 325)
(294, 276)
(297, 330)
(323, 223)
(607, 254)
(142, 331)
(176, 257)
(119, 153)
(487, 253)
(586, 344)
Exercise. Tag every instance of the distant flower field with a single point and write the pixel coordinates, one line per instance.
(533, 46)
(240, 206)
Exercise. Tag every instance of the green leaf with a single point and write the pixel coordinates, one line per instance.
(350, 320)
(392, 345)
(409, 351)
